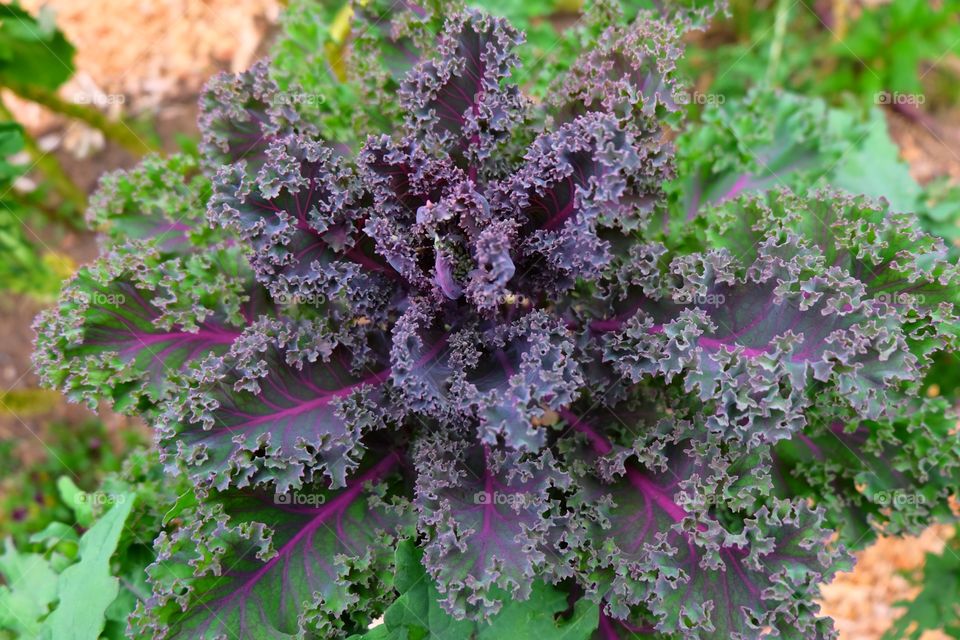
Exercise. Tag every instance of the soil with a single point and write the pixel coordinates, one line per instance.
(862, 602)
(157, 59)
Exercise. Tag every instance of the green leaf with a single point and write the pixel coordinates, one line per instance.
(31, 588)
(11, 138)
(23, 268)
(416, 614)
(54, 534)
(184, 501)
(873, 167)
(535, 619)
(31, 53)
(936, 605)
(77, 499)
(87, 588)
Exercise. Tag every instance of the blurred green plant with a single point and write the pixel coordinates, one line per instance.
(35, 61)
(29, 496)
(26, 267)
(897, 49)
(885, 48)
(28, 402)
(83, 573)
(937, 606)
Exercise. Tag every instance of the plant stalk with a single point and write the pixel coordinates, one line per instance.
(50, 167)
(118, 131)
(779, 33)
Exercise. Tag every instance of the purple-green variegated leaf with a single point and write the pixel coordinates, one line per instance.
(899, 264)
(801, 292)
(610, 628)
(587, 178)
(395, 28)
(895, 476)
(311, 563)
(158, 202)
(461, 99)
(487, 515)
(656, 545)
(766, 140)
(693, 14)
(129, 326)
(241, 114)
(301, 212)
(285, 405)
(505, 377)
(717, 584)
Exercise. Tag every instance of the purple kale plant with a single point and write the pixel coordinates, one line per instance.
(461, 379)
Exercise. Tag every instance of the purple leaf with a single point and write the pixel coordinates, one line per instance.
(487, 515)
(285, 405)
(461, 101)
(587, 176)
(630, 73)
(505, 377)
(241, 115)
(301, 214)
(280, 565)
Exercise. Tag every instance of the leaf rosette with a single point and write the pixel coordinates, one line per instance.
(471, 335)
